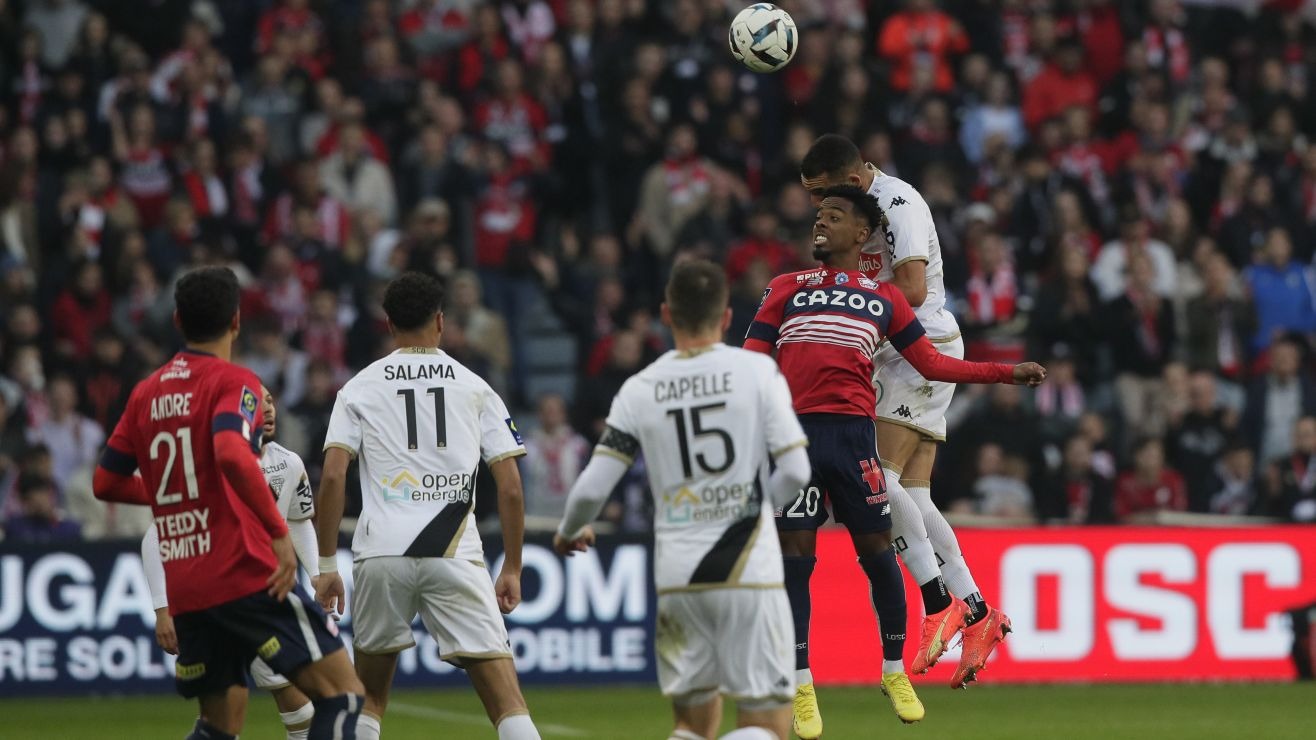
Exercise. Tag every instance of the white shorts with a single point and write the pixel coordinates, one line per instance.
(455, 600)
(904, 397)
(739, 642)
(265, 678)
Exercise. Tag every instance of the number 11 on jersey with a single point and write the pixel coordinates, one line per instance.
(440, 417)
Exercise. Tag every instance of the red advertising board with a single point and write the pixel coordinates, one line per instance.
(1095, 604)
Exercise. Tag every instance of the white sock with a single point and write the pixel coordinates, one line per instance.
(685, 735)
(750, 733)
(893, 666)
(299, 716)
(517, 727)
(367, 727)
(803, 676)
(956, 572)
(907, 525)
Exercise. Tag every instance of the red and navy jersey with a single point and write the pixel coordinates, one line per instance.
(213, 545)
(826, 327)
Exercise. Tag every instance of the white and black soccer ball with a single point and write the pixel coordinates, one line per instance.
(763, 37)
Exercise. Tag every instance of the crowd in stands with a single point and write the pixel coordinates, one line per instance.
(1123, 191)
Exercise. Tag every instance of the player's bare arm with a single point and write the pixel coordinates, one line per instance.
(329, 591)
(911, 278)
(511, 514)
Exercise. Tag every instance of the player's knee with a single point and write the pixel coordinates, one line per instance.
(299, 718)
(871, 543)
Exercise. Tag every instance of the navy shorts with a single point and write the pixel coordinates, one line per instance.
(846, 472)
(216, 645)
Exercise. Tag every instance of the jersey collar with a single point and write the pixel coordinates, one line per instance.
(416, 351)
(687, 354)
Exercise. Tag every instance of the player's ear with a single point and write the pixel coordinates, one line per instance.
(438, 322)
(726, 319)
(855, 179)
(178, 324)
(236, 325)
(666, 314)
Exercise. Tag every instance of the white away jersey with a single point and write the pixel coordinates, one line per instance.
(286, 474)
(706, 423)
(420, 422)
(911, 236)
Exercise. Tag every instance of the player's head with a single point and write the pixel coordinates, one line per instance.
(696, 299)
(847, 217)
(832, 160)
(413, 303)
(270, 416)
(206, 305)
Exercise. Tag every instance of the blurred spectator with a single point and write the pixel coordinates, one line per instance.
(761, 244)
(58, 23)
(1061, 402)
(1281, 290)
(80, 310)
(993, 121)
(485, 330)
(1197, 438)
(1235, 472)
(1068, 311)
(1220, 321)
(39, 521)
(359, 182)
(921, 38)
(672, 192)
(1276, 400)
(1294, 494)
(1079, 494)
(1142, 336)
(1150, 486)
(555, 455)
(74, 440)
(1061, 84)
(1001, 488)
(1114, 264)
(626, 357)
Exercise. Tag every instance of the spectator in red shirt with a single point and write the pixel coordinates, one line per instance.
(81, 309)
(1150, 486)
(513, 118)
(1061, 84)
(292, 16)
(921, 36)
(761, 244)
(476, 59)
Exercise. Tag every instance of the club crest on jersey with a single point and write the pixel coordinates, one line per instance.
(842, 278)
(248, 405)
(867, 283)
(511, 427)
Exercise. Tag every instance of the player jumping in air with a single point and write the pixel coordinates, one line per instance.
(286, 475)
(191, 429)
(825, 326)
(707, 417)
(911, 411)
(421, 422)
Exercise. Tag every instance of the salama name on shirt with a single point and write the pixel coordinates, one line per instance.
(418, 372)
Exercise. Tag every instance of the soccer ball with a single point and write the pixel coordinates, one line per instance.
(763, 37)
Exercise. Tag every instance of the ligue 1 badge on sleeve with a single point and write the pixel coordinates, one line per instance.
(842, 278)
(248, 404)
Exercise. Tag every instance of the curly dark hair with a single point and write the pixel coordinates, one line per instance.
(865, 205)
(413, 299)
(207, 300)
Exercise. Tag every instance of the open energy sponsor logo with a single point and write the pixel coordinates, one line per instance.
(406, 486)
(711, 503)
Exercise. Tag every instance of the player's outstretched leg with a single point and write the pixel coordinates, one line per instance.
(985, 627)
(798, 557)
(877, 558)
(945, 614)
(496, 683)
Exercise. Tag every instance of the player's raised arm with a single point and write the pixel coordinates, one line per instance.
(909, 338)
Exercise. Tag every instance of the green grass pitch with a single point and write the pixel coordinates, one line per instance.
(1252, 711)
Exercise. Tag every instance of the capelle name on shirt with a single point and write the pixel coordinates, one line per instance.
(693, 386)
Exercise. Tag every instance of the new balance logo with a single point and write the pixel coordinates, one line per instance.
(897, 201)
(904, 411)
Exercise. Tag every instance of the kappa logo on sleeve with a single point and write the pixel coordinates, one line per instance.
(248, 405)
(516, 435)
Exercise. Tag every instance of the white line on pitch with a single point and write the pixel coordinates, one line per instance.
(471, 718)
